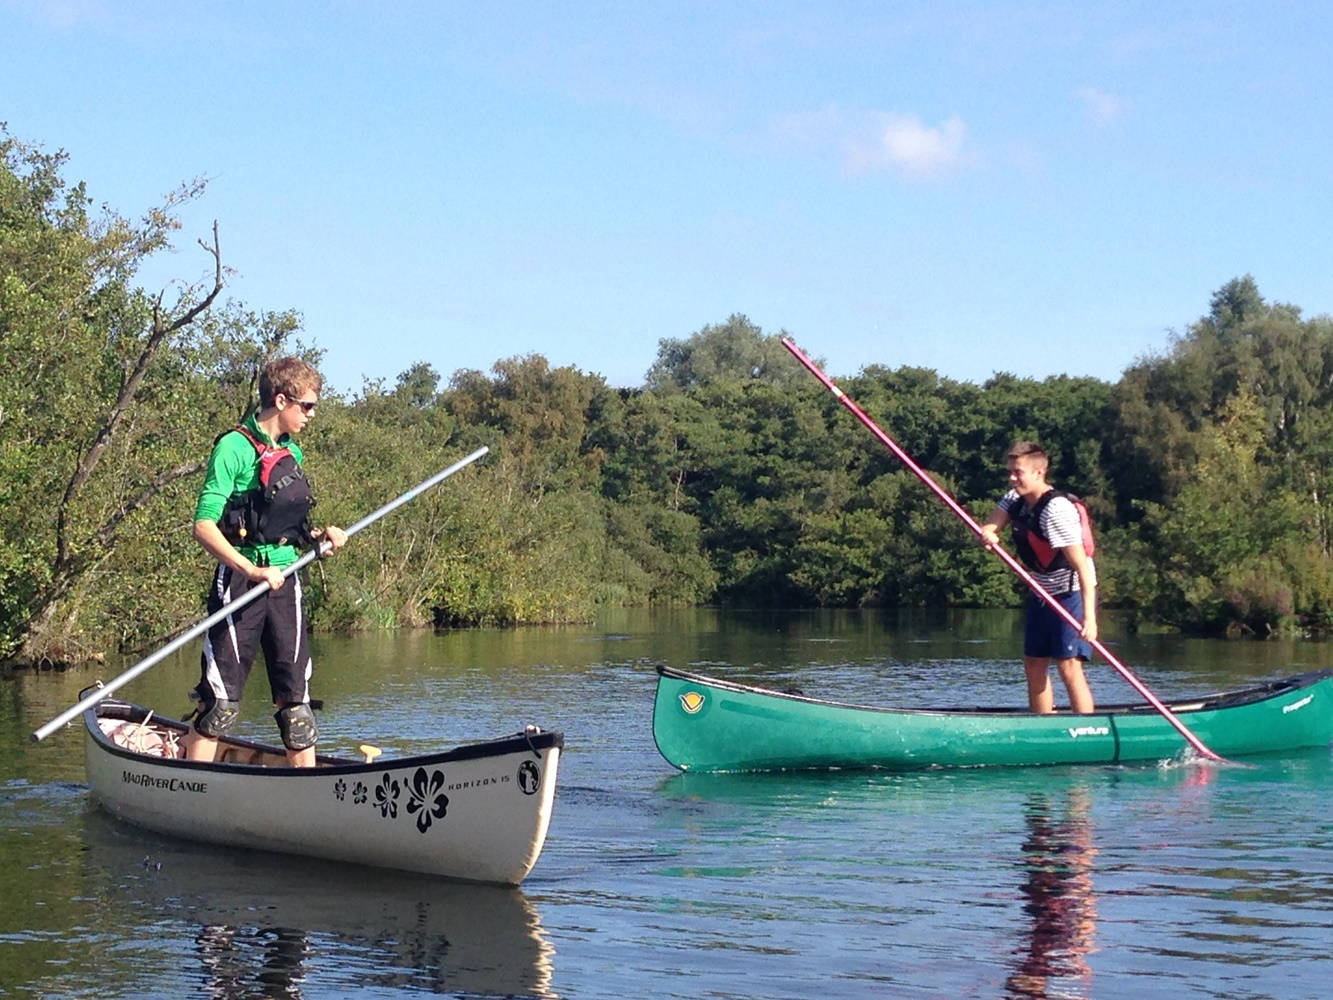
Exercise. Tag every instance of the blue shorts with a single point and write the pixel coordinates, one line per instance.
(1049, 635)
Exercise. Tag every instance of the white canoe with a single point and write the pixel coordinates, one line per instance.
(478, 812)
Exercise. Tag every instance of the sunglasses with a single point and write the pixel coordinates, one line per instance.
(307, 405)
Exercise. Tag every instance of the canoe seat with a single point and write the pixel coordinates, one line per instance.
(241, 755)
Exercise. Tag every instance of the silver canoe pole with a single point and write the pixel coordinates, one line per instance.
(154, 658)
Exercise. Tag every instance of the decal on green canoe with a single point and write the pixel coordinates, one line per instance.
(691, 701)
(1076, 731)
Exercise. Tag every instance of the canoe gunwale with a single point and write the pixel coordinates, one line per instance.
(1183, 706)
(111, 708)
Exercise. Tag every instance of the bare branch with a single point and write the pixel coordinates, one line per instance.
(71, 567)
(129, 389)
(107, 531)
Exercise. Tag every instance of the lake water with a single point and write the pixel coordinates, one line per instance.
(1175, 880)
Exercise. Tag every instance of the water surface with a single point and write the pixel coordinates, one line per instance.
(1174, 880)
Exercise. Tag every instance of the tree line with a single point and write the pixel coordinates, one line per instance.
(729, 476)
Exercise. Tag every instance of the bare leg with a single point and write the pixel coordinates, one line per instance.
(301, 758)
(1041, 699)
(1080, 694)
(198, 746)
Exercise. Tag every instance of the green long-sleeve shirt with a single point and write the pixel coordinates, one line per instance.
(233, 468)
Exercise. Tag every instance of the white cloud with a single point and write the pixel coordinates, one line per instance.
(868, 141)
(1100, 106)
(906, 144)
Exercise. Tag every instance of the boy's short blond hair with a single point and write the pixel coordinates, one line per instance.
(290, 377)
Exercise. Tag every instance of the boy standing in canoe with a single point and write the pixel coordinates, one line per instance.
(252, 513)
(1048, 535)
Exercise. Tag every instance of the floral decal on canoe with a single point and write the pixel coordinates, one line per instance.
(359, 791)
(386, 798)
(426, 799)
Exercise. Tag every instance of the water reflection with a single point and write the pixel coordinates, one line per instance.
(265, 925)
(1059, 899)
(230, 956)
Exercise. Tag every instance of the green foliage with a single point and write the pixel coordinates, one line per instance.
(537, 417)
(1226, 554)
(654, 555)
(1223, 470)
(734, 351)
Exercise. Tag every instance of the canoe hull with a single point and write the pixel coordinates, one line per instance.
(706, 724)
(478, 813)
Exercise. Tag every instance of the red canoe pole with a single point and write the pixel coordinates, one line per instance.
(1008, 560)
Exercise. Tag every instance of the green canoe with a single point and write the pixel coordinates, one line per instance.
(706, 724)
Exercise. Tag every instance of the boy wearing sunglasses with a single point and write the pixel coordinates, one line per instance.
(251, 516)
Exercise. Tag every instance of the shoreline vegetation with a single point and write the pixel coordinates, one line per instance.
(728, 477)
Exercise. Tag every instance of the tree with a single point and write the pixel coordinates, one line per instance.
(1218, 551)
(1222, 462)
(1243, 345)
(539, 415)
(736, 350)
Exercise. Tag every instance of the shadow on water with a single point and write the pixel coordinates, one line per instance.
(261, 924)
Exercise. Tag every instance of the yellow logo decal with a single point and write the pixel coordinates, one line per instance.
(691, 701)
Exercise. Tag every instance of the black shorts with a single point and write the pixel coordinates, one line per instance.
(274, 623)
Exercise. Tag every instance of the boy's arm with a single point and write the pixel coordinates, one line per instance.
(1087, 584)
(990, 531)
(209, 535)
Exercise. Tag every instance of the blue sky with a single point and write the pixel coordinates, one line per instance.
(1039, 188)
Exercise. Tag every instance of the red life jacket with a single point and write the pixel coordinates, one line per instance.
(1034, 548)
(277, 512)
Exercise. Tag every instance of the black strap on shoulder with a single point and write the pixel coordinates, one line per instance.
(1033, 516)
(1040, 505)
